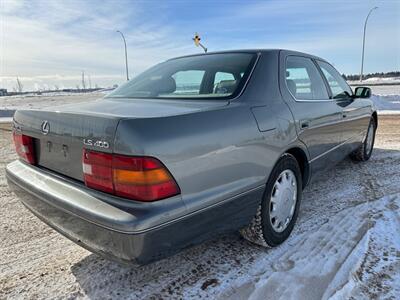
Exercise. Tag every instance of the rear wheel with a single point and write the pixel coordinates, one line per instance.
(277, 213)
(363, 153)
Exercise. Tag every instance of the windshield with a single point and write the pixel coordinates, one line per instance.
(209, 76)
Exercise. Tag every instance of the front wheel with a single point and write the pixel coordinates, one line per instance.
(277, 213)
(364, 152)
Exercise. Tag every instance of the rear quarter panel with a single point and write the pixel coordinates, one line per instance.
(213, 155)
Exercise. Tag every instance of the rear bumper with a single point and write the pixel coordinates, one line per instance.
(126, 231)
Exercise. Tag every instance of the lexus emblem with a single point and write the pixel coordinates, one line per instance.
(45, 127)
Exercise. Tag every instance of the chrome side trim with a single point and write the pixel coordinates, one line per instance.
(347, 110)
(308, 100)
(337, 146)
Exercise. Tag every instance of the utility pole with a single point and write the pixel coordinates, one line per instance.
(363, 47)
(83, 81)
(19, 86)
(126, 56)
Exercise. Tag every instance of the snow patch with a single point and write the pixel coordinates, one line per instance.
(387, 103)
(377, 80)
(345, 258)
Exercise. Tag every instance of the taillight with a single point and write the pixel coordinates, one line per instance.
(97, 169)
(24, 147)
(133, 177)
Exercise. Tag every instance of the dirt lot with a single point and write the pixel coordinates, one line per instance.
(342, 245)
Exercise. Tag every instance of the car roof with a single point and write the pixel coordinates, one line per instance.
(289, 52)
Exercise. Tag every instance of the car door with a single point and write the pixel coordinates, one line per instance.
(317, 117)
(355, 115)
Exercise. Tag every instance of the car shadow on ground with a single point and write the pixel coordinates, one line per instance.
(200, 267)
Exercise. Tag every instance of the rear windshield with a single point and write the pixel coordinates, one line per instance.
(209, 76)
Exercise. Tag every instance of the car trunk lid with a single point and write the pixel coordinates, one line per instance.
(59, 137)
(61, 133)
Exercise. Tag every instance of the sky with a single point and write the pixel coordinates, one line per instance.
(48, 43)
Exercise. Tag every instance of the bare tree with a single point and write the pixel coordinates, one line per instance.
(56, 87)
(20, 86)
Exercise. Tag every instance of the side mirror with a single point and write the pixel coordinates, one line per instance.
(362, 92)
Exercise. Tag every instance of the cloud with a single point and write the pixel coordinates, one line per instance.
(44, 38)
(57, 37)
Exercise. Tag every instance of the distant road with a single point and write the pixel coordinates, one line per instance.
(48, 100)
(365, 83)
(8, 113)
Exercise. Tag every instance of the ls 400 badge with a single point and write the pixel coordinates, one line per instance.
(96, 143)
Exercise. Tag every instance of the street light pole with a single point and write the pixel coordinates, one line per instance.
(126, 56)
(363, 47)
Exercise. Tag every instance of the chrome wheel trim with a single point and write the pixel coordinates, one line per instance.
(283, 200)
(370, 137)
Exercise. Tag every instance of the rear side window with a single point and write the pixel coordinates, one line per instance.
(339, 87)
(304, 80)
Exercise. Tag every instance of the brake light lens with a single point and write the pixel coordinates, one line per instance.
(97, 168)
(24, 147)
(134, 177)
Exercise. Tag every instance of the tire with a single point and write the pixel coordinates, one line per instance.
(263, 229)
(364, 152)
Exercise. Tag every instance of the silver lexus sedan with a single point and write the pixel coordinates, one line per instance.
(194, 147)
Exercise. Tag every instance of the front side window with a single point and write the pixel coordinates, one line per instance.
(212, 76)
(304, 80)
(339, 87)
(223, 82)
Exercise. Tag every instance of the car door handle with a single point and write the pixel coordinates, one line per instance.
(305, 124)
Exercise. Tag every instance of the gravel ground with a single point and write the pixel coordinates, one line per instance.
(36, 262)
